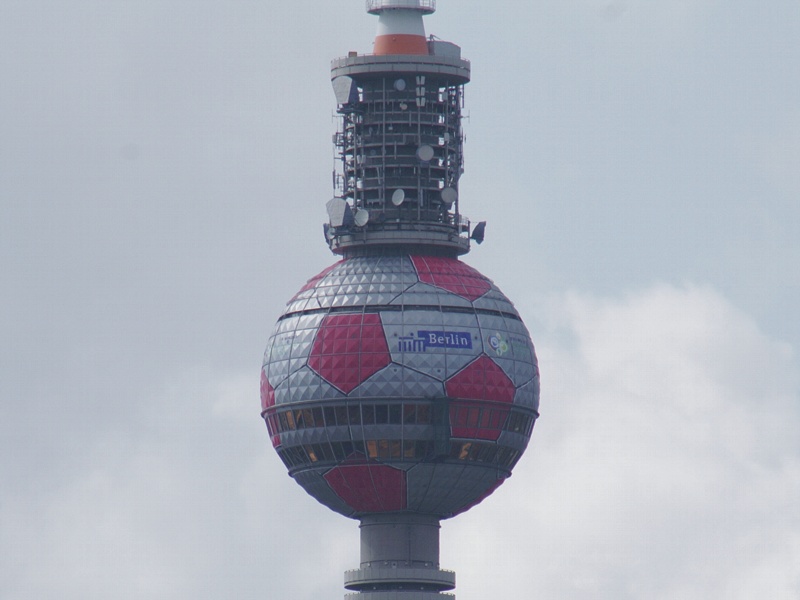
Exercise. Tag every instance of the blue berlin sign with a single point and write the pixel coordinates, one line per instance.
(434, 339)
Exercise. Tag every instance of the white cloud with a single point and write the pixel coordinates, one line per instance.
(188, 502)
(665, 465)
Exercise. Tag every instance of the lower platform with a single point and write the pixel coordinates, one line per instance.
(399, 560)
(400, 595)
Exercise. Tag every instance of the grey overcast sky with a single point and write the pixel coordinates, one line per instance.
(164, 166)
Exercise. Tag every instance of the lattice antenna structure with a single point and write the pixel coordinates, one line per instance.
(399, 144)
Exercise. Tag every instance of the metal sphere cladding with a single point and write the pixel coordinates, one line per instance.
(400, 383)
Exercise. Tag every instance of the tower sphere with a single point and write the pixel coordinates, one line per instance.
(400, 383)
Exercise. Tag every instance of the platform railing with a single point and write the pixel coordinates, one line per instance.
(424, 5)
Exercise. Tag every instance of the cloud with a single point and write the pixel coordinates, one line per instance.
(665, 465)
(188, 501)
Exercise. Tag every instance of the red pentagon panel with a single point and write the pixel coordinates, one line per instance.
(452, 275)
(315, 280)
(369, 488)
(482, 379)
(349, 349)
(477, 421)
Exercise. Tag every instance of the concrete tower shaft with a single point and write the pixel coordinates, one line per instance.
(399, 559)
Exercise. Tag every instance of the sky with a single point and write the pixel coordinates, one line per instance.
(164, 167)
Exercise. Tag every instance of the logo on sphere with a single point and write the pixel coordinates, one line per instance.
(434, 339)
(498, 344)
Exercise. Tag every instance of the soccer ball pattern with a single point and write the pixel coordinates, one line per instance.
(400, 383)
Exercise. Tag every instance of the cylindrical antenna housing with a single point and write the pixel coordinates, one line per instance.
(400, 27)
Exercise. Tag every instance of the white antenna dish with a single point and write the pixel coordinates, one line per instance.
(361, 217)
(398, 196)
(400, 85)
(425, 153)
(449, 196)
(344, 89)
(337, 208)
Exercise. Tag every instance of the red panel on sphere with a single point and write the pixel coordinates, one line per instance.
(369, 488)
(482, 379)
(477, 421)
(349, 349)
(451, 275)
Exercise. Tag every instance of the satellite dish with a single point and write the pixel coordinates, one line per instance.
(345, 89)
(403, 106)
(361, 217)
(339, 213)
(479, 232)
(348, 216)
(400, 85)
(336, 211)
(449, 196)
(398, 196)
(425, 152)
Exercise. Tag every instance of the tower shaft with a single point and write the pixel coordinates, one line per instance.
(399, 554)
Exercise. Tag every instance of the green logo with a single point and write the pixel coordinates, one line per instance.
(498, 344)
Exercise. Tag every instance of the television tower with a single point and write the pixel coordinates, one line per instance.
(400, 386)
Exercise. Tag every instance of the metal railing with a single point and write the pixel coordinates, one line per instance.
(412, 594)
(424, 5)
(391, 58)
